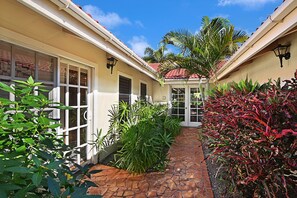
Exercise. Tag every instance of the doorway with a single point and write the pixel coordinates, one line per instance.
(76, 123)
(187, 105)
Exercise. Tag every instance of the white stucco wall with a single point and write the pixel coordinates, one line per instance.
(267, 66)
(22, 26)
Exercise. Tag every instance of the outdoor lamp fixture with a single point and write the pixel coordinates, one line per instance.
(111, 62)
(281, 51)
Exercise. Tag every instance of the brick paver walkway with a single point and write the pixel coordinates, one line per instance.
(185, 176)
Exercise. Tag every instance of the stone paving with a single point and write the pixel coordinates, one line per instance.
(185, 176)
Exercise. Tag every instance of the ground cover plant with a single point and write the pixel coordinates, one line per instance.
(34, 161)
(145, 134)
(251, 130)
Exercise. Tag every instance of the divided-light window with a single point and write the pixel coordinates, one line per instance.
(18, 63)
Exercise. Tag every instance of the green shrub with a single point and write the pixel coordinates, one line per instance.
(252, 130)
(146, 133)
(34, 161)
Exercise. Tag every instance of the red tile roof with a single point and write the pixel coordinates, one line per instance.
(180, 74)
(176, 73)
(155, 66)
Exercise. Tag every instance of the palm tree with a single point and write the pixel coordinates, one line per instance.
(155, 56)
(202, 51)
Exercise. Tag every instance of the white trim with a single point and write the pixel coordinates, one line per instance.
(281, 21)
(187, 122)
(186, 110)
(185, 81)
(192, 124)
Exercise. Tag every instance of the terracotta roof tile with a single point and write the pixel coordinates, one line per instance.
(180, 74)
(176, 73)
(155, 66)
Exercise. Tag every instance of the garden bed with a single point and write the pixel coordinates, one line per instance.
(218, 186)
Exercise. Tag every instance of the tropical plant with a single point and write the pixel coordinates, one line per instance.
(201, 52)
(156, 56)
(251, 130)
(34, 161)
(146, 135)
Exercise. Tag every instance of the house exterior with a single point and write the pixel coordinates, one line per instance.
(60, 45)
(57, 43)
(255, 59)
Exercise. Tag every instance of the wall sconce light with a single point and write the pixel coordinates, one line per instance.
(111, 62)
(281, 51)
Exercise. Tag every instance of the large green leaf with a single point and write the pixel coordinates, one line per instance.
(36, 178)
(36, 160)
(54, 187)
(6, 88)
(17, 169)
(9, 187)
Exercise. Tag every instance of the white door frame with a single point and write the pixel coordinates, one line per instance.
(88, 115)
(177, 113)
(187, 108)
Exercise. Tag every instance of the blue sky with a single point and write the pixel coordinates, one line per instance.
(143, 23)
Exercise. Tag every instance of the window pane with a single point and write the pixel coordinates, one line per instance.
(83, 77)
(45, 65)
(72, 118)
(124, 89)
(83, 135)
(24, 63)
(62, 95)
(62, 119)
(73, 75)
(83, 96)
(72, 96)
(181, 111)
(63, 73)
(5, 59)
(73, 138)
(83, 154)
(182, 118)
(193, 118)
(83, 116)
(125, 85)
(143, 91)
(124, 98)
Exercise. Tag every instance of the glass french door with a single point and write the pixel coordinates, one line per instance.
(187, 105)
(195, 106)
(74, 92)
(178, 102)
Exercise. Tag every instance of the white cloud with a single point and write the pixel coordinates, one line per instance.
(139, 24)
(138, 45)
(109, 20)
(248, 3)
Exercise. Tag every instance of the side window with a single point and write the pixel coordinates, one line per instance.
(5, 66)
(143, 92)
(19, 63)
(125, 89)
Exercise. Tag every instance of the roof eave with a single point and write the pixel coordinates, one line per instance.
(74, 11)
